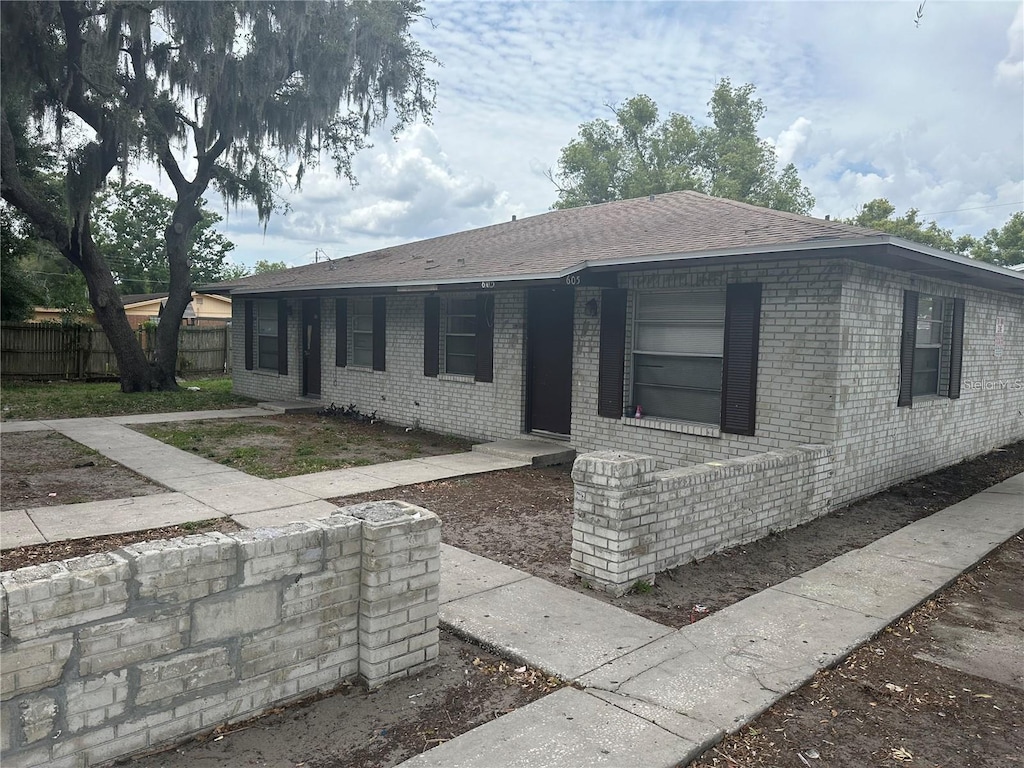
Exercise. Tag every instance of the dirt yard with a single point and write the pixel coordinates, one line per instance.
(299, 444)
(42, 469)
(847, 716)
(523, 518)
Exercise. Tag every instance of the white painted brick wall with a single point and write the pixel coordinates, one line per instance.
(828, 373)
(878, 444)
(402, 394)
(632, 521)
(112, 654)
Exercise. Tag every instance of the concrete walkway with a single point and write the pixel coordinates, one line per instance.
(647, 695)
(652, 696)
(205, 490)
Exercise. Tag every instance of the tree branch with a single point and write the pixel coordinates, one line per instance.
(14, 191)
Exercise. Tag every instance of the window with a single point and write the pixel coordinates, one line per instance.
(266, 335)
(460, 336)
(362, 332)
(931, 347)
(678, 342)
(467, 332)
(928, 345)
(694, 355)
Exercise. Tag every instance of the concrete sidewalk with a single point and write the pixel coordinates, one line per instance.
(647, 695)
(651, 696)
(205, 490)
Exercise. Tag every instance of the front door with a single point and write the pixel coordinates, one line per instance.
(549, 359)
(311, 347)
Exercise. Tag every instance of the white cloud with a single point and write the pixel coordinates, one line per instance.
(865, 103)
(791, 140)
(1010, 71)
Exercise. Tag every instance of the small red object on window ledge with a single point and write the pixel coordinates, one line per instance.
(639, 413)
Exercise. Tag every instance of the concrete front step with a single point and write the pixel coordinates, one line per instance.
(530, 450)
(291, 406)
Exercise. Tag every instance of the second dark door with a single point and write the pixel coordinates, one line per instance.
(549, 359)
(311, 347)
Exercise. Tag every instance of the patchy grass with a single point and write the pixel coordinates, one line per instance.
(300, 444)
(69, 400)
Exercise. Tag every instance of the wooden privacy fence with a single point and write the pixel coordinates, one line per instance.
(51, 351)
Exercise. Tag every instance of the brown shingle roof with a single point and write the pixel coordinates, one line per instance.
(560, 242)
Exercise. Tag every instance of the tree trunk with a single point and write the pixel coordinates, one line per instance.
(165, 359)
(132, 365)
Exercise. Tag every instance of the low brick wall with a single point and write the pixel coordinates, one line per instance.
(632, 521)
(116, 653)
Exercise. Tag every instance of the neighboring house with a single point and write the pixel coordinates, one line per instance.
(732, 329)
(205, 310)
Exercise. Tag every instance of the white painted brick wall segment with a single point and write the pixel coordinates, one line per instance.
(688, 513)
(151, 631)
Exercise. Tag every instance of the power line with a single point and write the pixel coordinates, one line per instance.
(975, 208)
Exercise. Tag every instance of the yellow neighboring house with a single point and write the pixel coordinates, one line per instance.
(205, 310)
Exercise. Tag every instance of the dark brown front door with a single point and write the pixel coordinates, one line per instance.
(311, 347)
(549, 359)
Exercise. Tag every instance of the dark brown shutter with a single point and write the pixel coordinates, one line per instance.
(431, 336)
(379, 329)
(484, 337)
(612, 355)
(282, 336)
(956, 349)
(341, 332)
(908, 340)
(739, 361)
(248, 308)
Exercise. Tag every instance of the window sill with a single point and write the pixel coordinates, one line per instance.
(365, 370)
(668, 425)
(457, 377)
(266, 372)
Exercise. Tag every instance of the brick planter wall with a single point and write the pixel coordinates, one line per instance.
(115, 653)
(632, 521)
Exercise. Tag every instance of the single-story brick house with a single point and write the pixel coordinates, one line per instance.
(731, 329)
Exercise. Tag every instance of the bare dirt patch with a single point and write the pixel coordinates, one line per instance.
(298, 444)
(889, 703)
(523, 518)
(43, 469)
(355, 728)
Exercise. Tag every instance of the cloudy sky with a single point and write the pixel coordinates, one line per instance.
(865, 103)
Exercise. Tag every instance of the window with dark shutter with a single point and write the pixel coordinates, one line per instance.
(341, 332)
(956, 349)
(612, 355)
(739, 360)
(677, 354)
(379, 322)
(908, 341)
(431, 336)
(250, 335)
(484, 346)
(282, 337)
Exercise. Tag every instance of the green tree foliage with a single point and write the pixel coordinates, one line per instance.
(128, 227)
(880, 214)
(1003, 246)
(220, 93)
(263, 266)
(18, 291)
(637, 155)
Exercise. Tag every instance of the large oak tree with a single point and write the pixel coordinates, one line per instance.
(228, 94)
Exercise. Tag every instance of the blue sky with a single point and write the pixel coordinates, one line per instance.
(865, 103)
